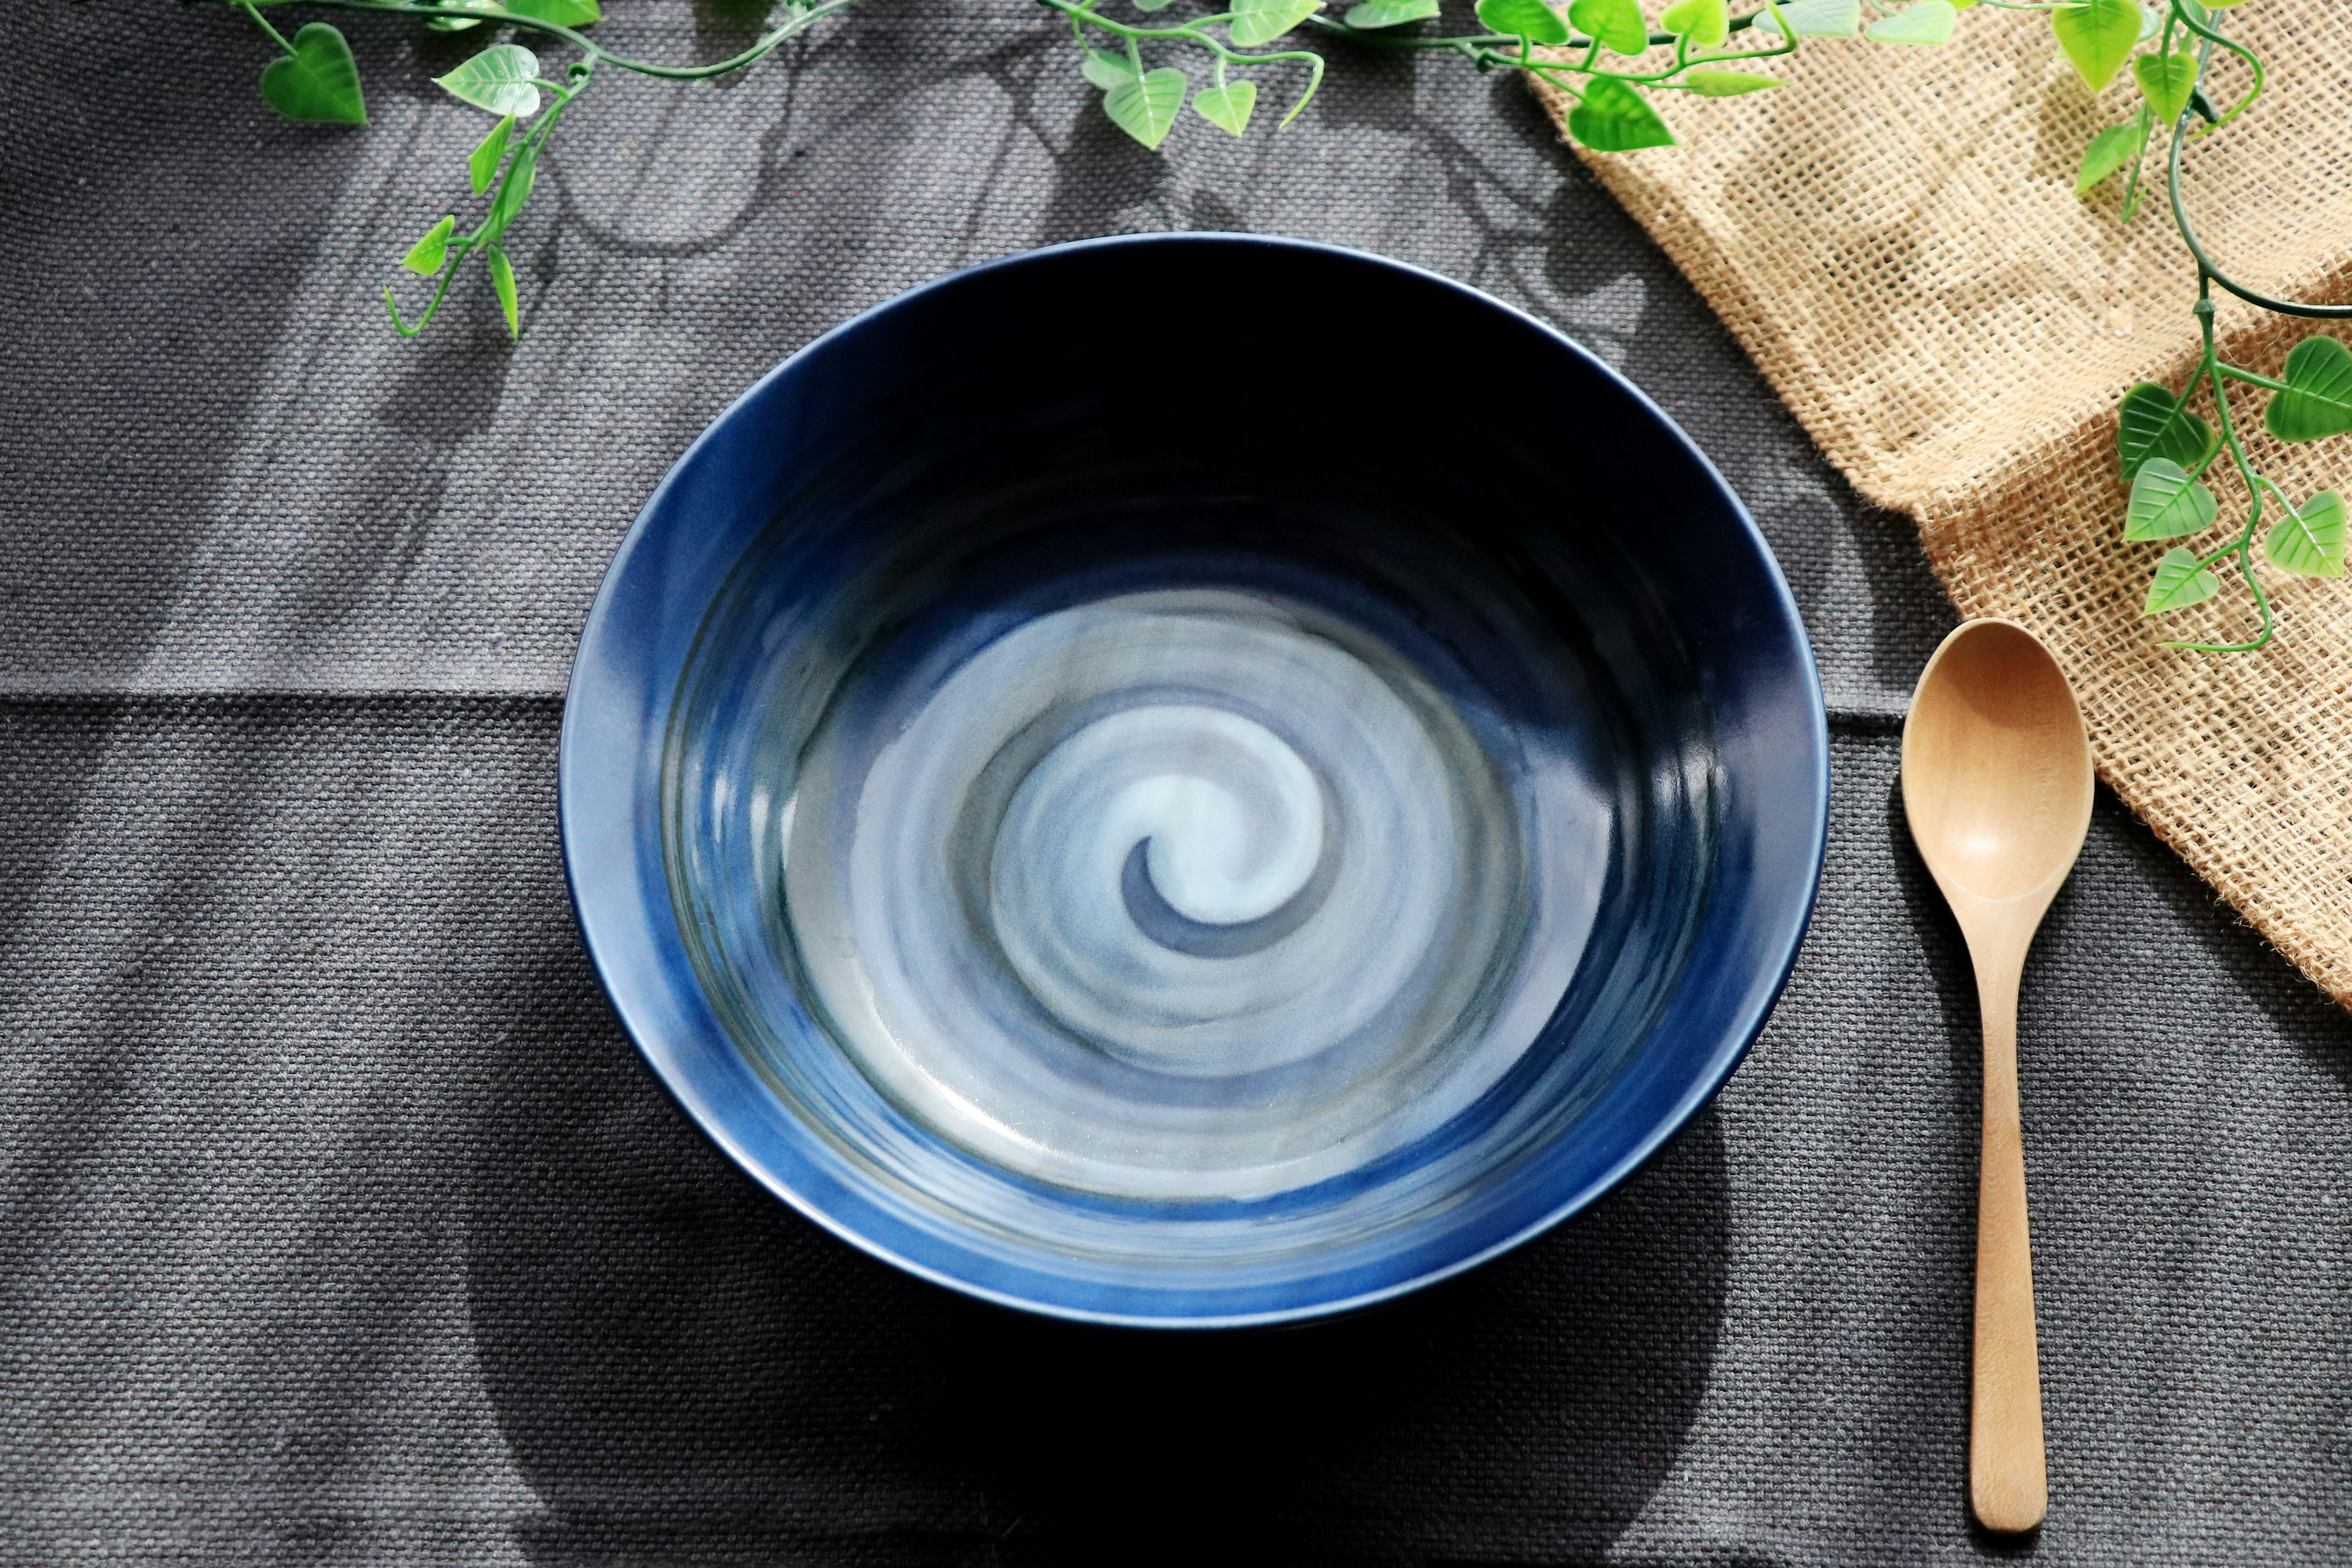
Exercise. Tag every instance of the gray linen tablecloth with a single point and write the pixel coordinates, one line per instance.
(342, 1224)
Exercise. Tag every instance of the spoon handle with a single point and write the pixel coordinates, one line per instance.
(2009, 1487)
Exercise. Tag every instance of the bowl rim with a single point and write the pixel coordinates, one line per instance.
(592, 884)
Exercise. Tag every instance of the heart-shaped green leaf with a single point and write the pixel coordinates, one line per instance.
(1816, 19)
(426, 257)
(1529, 19)
(563, 13)
(483, 166)
(2098, 37)
(2110, 153)
(2319, 400)
(1390, 13)
(502, 279)
(1614, 117)
(2179, 582)
(1150, 5)
(2309, 539)
(1227, 107)
(319, 82)
(1705, 23)
(2166, 503)
(1107, 70)
(1928, 22)
(1145, 106)
(1616, 23)
(1259, 22)
(2166, 81)
(1728, 84)
(498, 79)
(2152, 423)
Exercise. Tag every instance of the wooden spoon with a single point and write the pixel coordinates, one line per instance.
(1997, 785)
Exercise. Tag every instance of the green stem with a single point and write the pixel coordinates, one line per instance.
(1189, 34)
(2207, 271)
(263, 23)
(486, 239)
(2131, 185)
(1082, 15)
(432, 307)
(1463, 44)
(590, 48)
(1788, 47)
(2243, 546)
(1410, 43)
(2213, 36)
(1551, 70)
(2234, 374)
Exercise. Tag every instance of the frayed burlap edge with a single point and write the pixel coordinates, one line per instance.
(1895, 238)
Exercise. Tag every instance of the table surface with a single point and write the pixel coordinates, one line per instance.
(341, 1225)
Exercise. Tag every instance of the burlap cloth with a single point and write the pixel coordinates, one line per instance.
(1896, 238)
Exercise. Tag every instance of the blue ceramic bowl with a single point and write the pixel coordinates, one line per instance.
(1143, 816)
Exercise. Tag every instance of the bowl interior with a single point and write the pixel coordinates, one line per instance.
(1193, 828)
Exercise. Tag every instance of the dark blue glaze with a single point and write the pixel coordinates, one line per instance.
(1525, 528)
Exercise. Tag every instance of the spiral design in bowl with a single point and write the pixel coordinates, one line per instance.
(1178, 894)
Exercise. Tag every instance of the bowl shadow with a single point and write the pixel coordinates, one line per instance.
(684, 1367)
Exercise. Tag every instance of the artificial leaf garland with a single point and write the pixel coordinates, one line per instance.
(2164, 445)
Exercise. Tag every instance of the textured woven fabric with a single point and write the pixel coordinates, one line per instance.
(339, 1223)
(343, 1225)
(224, 473)
(1915, 275)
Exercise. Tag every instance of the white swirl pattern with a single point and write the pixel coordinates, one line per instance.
(1189, 894)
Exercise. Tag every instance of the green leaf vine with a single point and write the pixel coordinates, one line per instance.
(1602, 54)
(1612, 65)
(2163, 445)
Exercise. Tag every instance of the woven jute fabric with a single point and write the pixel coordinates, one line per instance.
(1896, 238)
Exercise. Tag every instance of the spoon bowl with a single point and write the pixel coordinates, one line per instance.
(1997, 785)
(1996, 766)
